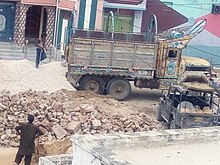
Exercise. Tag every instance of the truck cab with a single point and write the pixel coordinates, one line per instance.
(189, 105)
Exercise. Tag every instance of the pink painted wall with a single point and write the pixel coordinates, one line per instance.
(99, 15)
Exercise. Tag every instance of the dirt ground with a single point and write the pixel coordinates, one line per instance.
(143, 100)
(7, 156)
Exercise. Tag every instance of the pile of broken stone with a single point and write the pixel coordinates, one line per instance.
(59, 120)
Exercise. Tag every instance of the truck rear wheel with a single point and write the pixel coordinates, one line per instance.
(92, 83)
(119, 88)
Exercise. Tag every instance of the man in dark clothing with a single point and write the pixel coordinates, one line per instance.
(28, 132)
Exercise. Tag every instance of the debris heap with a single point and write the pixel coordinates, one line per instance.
(63, 113)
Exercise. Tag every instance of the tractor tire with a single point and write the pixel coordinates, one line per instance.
(119, 88)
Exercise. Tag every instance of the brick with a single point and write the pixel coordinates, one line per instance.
(82, 118)
(14, 144)
(8, 132)
(59, 131)
(86, 108)
(45, 124)
(57, 106)
(2, 106)
(73, 126)
(96, 124)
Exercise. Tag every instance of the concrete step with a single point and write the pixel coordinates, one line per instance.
(11, 51)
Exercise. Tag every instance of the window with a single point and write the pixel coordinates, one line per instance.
(172, 53)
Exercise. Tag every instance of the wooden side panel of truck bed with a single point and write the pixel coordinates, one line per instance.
(90, 52)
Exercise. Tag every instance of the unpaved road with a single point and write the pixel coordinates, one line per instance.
(7, 156)
(144, 100)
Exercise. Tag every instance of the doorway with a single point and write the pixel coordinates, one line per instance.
(33, 22)
(36, 21)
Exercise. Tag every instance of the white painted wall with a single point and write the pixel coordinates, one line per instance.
(63, 32)
(83, 157)
(87, 14)
(138, 15)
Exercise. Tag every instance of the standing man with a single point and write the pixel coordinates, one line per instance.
(28, 132)
(41, 49)
(41, 52)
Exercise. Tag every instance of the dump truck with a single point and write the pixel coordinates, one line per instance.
(106, 62)
(189, 105)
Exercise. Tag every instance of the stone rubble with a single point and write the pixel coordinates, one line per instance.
(58, 118)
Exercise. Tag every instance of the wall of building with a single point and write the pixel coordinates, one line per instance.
(7, 20)
(20, 20)
(90, 14)
(192, 8)
(129, 14)
(167, 17)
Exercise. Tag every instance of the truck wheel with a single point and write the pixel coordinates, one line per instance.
(159, 116)
(119, 88)
(92, 84)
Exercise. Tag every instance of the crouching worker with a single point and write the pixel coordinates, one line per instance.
(41, 52)
(28, 133)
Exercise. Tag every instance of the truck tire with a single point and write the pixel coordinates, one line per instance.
(159, 116)
(119, 88)
(92, 83)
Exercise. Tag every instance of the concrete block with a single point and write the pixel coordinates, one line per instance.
(96, 124)
(73, 126)
(59, 131)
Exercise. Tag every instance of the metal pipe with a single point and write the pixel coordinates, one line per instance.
(51, 46)
(26, 45)
(55, 24)
(57, 29)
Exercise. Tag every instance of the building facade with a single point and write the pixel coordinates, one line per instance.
(28, 19)
(167, 17)
(129, 15)
(7, 21)
(191, 8)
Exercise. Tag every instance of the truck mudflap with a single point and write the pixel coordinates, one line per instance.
(73, 79)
